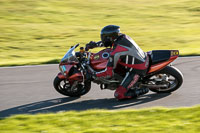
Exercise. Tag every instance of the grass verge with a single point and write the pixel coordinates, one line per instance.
(156, 120)
(38, 32)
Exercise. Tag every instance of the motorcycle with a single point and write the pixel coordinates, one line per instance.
(74, 67)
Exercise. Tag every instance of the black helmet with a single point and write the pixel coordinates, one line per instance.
(109, 33)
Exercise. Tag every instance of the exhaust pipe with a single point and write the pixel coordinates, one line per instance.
(154, 86)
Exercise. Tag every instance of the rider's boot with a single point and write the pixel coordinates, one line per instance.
(123, 93)
(120, 93)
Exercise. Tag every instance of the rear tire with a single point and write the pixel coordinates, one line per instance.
(64, 88)
(173, 72)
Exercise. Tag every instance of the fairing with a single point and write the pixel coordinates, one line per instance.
(99, 60)
(67, 64)
(76, 77)
(61, 76)
(65, 73)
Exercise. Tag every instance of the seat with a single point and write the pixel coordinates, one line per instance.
(158, 56)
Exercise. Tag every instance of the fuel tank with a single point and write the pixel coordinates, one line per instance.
(99, 60)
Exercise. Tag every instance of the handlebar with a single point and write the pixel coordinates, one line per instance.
(99, 42)
(77, 45)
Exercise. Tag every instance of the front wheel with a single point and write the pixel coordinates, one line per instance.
(170, 77)
(76, 90)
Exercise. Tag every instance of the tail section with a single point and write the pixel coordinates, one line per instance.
(161, 58)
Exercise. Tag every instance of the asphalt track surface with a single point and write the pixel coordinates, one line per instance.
(29, 89)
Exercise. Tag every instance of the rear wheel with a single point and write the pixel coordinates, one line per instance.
(170, 77)
(76, 90)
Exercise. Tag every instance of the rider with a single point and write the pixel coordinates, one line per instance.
(134, 60)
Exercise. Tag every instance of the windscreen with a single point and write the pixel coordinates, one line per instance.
(70, 55)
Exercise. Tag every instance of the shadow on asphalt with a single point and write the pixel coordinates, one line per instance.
(67, 104)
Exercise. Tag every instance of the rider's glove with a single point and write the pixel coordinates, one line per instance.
(90, 45)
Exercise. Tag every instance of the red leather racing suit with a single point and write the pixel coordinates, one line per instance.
(134, 60)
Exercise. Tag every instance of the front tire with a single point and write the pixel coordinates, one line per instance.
(63, 87)
(173, 78)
